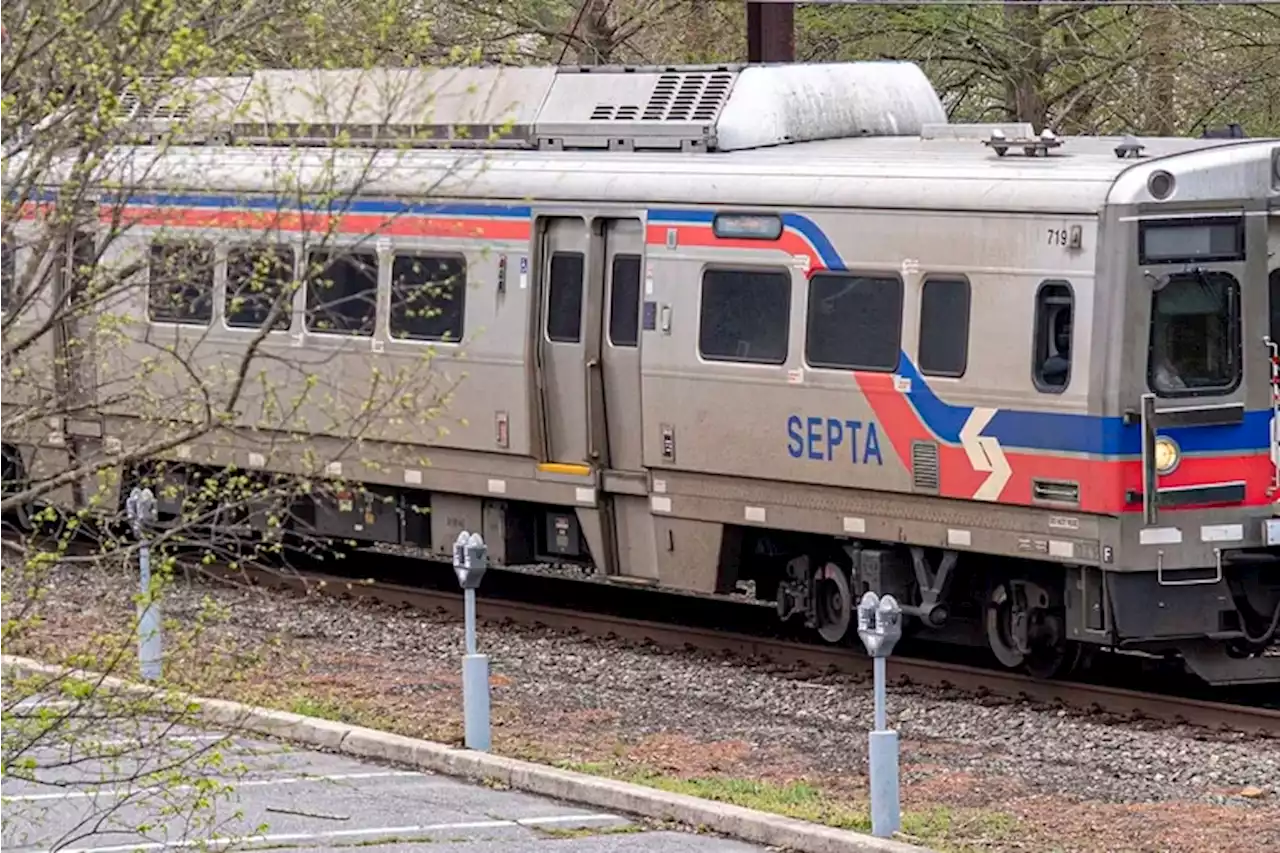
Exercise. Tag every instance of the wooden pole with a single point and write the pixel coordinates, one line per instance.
(771, 32)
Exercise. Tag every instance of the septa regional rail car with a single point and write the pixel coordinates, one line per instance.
(779, 324)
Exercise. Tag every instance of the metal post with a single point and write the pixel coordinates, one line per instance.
(141, 509)
(880, 666)
(469, 599)
(470, 560)
(880, 627)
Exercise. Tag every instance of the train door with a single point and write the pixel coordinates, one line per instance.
(589, 376)
(1273, 329)
(566, 345)
(624, 483)
(590, 343)
(620, 353)
(1206, 365)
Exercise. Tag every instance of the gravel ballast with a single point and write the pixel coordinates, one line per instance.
(992, 775)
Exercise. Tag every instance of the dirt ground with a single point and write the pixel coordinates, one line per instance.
(977, 774)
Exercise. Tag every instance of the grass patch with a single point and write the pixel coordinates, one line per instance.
(331, 708)
(953, 830)
(325, 709)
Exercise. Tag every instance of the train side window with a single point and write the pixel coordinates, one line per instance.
(1052, 367)
(944, 326)
(855, 321)
(428, 297)
(342, 292)
(624, 301)
(180, 282)
(745, 315)
(9, 266)
(259, 280)
(84, 261)
(564, 299)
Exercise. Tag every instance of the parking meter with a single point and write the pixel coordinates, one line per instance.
(470, 559)
(880, 627)
(879, 624)
(140, 506)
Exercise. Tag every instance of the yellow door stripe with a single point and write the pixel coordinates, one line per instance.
(565, 468)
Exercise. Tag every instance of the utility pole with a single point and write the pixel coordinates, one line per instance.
(771, 31)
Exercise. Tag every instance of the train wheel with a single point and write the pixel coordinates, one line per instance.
(833, 602)
(1024, 635)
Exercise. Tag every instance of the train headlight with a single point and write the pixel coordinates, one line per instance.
(1167, 455)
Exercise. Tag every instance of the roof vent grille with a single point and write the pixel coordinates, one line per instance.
(611, 112)
(688, 96)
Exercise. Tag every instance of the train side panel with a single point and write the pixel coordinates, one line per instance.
(819, 408)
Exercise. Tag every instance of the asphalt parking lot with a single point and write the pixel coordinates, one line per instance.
(159, 787)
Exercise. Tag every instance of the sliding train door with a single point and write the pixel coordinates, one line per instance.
(588, 368)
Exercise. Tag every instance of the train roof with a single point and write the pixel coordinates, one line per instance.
(862, 134)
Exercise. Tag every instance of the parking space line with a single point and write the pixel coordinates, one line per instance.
(568, 818)
(285, 838)
(249, 783)
(124, 741)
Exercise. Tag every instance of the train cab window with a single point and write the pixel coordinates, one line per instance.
(428, 296)
(564, 298)
(624, 301)
(342, 292)
(180, 282)
(745, 315)
(258, 282)
(855, 321)
(1054, 307)
(944, 326)
(1195, 322)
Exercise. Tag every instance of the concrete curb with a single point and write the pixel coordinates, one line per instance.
(357, 741)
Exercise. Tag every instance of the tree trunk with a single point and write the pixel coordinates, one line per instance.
(597, 45)
(1159, 32)
(1024, 83)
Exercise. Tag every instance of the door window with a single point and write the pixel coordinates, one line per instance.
(1195, 333)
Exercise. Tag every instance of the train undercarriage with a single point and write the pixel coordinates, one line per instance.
(1041, 618)
(1017, 611)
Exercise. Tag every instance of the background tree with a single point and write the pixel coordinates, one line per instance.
(97, 99)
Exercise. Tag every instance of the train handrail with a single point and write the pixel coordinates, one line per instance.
(1150, 502)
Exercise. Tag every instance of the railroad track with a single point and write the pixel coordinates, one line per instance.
(1130, 704)
(972, 680)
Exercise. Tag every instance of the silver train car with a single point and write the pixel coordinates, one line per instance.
(778, 324)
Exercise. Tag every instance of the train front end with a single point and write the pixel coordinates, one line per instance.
(1193, 565)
